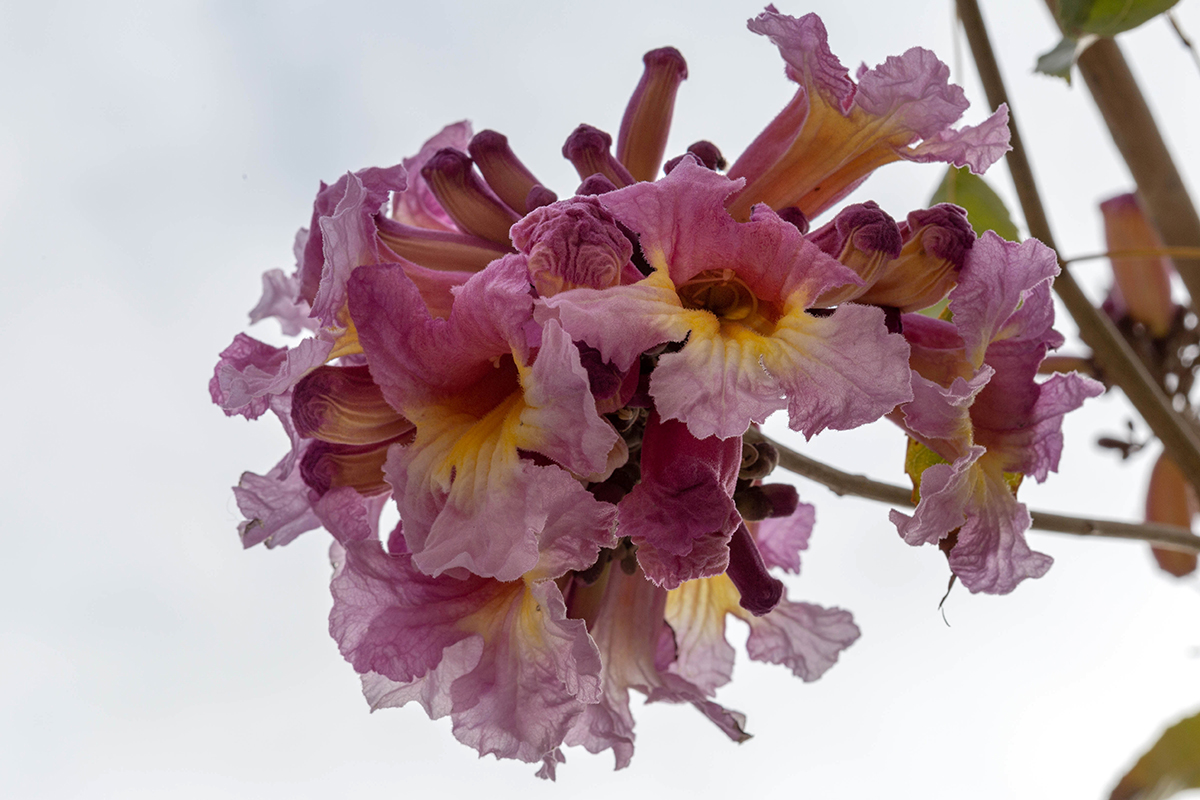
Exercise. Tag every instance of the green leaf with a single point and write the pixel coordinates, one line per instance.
(1058, 62)
(1108, 17)
(985, 210)
(1170, 766)
(917, 459)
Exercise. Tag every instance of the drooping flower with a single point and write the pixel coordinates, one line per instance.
(979, 412)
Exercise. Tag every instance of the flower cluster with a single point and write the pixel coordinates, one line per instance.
(555, 393)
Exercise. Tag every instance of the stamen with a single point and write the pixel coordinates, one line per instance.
(343, 405)
(643, 136)
(587, 149)
(760, 592)
(466, 198)
(440, 250)
(503, 171)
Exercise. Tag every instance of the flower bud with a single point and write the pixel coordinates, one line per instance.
(1141, 284)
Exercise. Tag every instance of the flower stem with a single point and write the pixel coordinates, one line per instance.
(845, 483)
(1116, 357)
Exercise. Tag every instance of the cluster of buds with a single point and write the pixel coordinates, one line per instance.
(555, 393)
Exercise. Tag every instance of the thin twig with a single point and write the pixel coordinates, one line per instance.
(1139, 252)
(845, 483)
(1184, 38)
(1116, 357)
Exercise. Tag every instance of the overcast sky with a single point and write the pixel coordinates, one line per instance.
(155, 159)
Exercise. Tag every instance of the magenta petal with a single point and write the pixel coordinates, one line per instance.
(803, 637)
(682, 514)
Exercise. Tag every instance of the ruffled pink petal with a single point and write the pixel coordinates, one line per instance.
(944, 413)
(416, 358)
(804, 45)
(281, 300)
(840, 371)
(250, 372)
(350, 241)
(561, 408)
(974, 146)
(277, 506)
(533, 676)
(622, 322)
(946, 491)
(681, 514)
(998, 277)
(377, 182)
(780, 539)
(991, 554)
(912, 92)
(417, 204)
(716, 384)
(1029, 442)
(629, 631)
(348, 515)
(805, 638)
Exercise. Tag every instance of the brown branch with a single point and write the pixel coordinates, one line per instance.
(1114, 354)
(845, 483)
(1133, 130)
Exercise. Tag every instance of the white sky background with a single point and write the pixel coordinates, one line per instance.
(156, 159)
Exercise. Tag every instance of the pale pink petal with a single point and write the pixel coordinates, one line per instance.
(913, 92)
(780, 539)
(974, 146)
(250, 372)
(277, 506)
(804, 45)
(997, 278)
(716, 384)
(696, 612)
(517, 698)
(840, 371)
(805, 638)
(946, 491)
(348, 515)
(991, 554)
(281, 300)
(938, 412)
